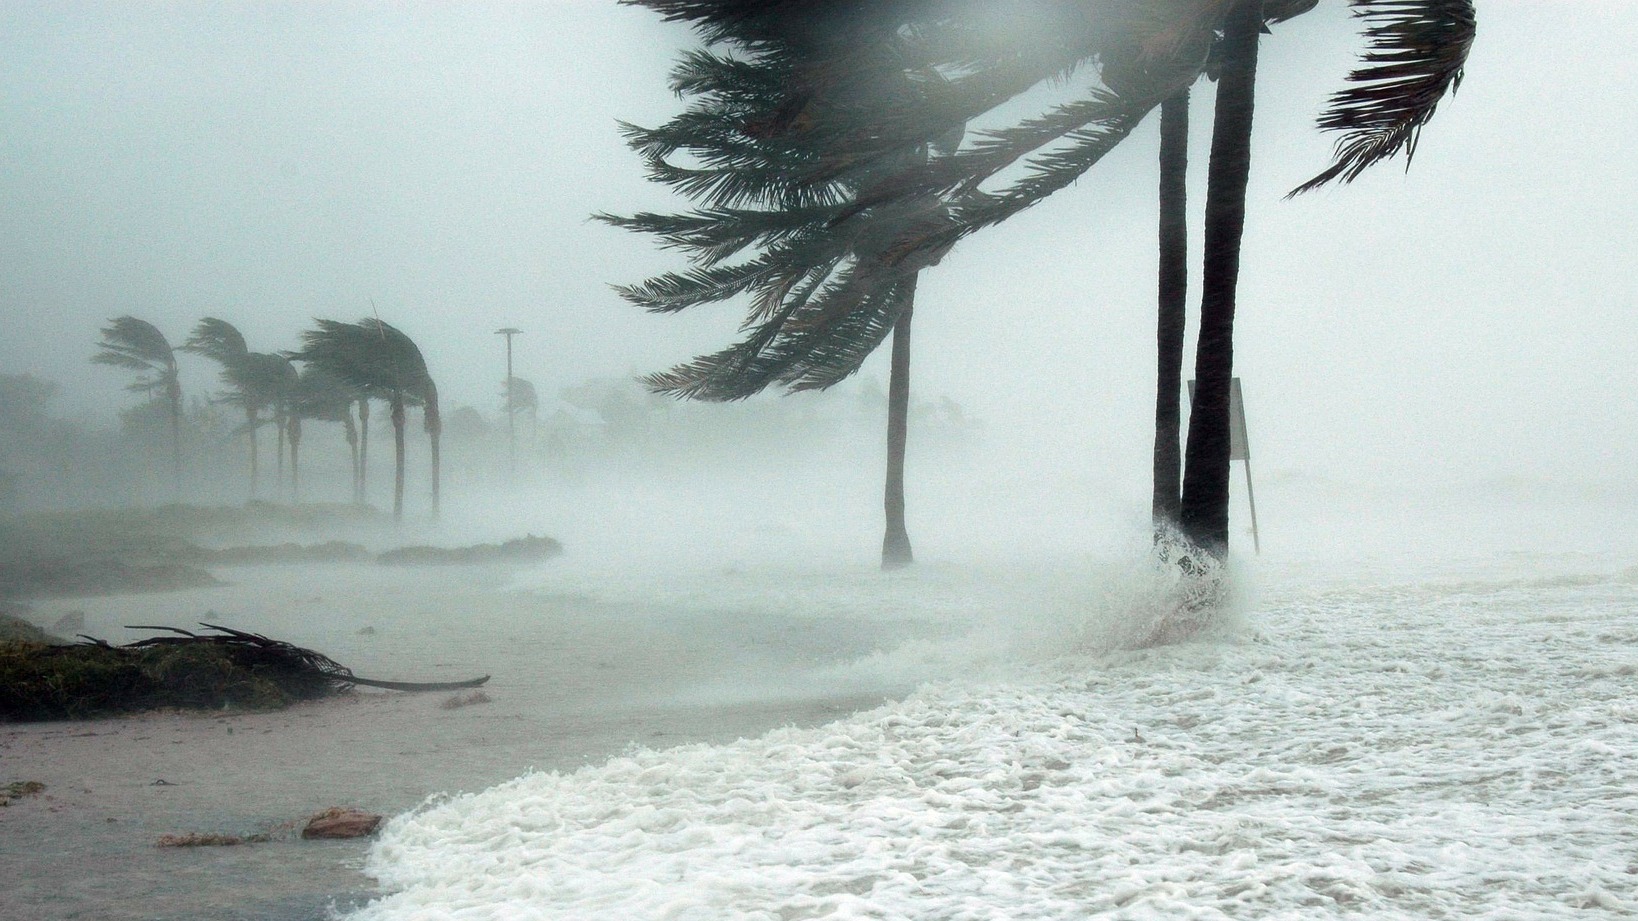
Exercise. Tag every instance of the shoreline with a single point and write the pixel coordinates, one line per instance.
(575, 683)
(86, 846)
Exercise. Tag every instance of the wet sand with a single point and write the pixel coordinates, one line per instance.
(574, 683)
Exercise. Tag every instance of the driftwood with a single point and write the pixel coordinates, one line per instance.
(287, 655)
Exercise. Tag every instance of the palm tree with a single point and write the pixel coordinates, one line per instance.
(758, 192)
(322, 397)
(279, 378)
(1416, 54)
(256, 381)
(139, 346)
(521, 397)
(839, 270)
(380, 361)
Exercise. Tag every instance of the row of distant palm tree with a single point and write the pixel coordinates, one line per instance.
(344, 365)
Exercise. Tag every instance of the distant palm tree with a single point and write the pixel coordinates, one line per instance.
(256, 381)
(280, 379)
(521, 397)
(139, 346)
(320, 396)
(381, 361)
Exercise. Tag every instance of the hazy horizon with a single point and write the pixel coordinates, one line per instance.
(1462, 326)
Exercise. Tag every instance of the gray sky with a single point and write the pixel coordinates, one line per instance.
(268, 163)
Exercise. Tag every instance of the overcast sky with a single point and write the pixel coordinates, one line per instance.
(269, 163)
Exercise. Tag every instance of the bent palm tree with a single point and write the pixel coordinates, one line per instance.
(139, 346)
(256, 381)
(833, 272)
(759, 193)
(320, 396)
(380, 361)
(521, 397)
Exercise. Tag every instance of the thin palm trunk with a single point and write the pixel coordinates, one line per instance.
(362, 497)
(896, 542)
(251, 424)
(435, 475)
(434, 424)
(279, 422)
(295, 458)
(1173, 295)
(174, 392)
(398, 457)
(1206, 474)
(351, 430)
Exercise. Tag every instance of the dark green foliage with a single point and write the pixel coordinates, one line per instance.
(332, 551)
(217, 670)
(15, 629)
(528, 549)
(39, 682)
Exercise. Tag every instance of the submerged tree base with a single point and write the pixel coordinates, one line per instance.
(223, 669)
(1198, 591)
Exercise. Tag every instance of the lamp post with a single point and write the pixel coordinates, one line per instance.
(511, 405)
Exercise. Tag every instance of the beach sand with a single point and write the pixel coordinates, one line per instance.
(575, 681)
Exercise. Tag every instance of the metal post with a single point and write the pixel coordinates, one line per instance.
(511, 405)
(1256, 541)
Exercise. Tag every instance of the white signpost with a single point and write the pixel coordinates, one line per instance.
(1240, 449)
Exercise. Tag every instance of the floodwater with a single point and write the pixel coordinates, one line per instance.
(577, 677)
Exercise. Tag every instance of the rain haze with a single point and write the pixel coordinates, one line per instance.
(1436, 364)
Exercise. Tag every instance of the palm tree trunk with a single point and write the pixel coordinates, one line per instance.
(363, 451)
(896, 542)
(434, 424)
(1206, 473)
(398, 457)
(295, 458)
(1173, 295)
(279, 422)
(251, 424)
(350, 428)
(175, 394)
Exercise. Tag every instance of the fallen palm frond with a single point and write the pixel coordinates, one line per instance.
(222, 669)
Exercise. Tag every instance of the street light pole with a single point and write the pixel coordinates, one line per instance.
(511, 405)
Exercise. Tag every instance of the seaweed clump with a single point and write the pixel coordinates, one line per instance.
(520, 550)
(223, 670)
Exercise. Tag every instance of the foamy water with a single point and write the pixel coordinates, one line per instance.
(1453, 742)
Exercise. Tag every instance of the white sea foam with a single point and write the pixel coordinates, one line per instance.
(1457, 748)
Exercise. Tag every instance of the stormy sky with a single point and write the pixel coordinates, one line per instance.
(268, 163)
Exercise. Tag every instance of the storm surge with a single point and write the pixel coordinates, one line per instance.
(1454, 742)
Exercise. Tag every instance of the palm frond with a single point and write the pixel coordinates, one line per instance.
(676, 291)
(137, 345)
(1415, 56)
(218, 340)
